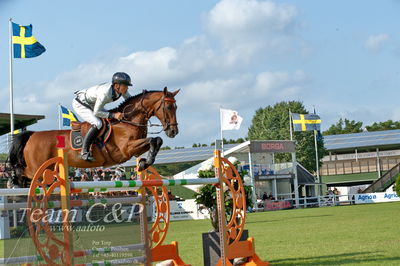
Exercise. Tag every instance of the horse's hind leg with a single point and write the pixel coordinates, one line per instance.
(154, 147)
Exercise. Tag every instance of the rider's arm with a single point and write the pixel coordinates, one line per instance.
(98, 109)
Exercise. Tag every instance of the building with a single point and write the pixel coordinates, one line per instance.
(359, 159)
(281, 181)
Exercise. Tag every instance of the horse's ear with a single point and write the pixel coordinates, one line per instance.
(165, 90)
(175, 92)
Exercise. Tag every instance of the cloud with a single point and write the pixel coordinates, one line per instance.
(247, 27)
(280, 85)
(238, 19)
(375, 42)
(216, 68)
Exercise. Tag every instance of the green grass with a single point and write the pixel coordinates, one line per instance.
(346, 235)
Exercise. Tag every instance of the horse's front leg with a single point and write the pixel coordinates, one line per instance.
(155, 145)
(138, 147)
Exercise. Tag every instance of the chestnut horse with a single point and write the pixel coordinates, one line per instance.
(128, 138)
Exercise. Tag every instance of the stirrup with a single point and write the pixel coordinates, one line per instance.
(87, 156)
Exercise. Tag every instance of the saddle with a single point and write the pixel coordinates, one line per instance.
(80, 129)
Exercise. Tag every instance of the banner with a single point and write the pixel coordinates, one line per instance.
(376, 197)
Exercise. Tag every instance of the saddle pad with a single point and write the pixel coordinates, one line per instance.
(76, 140)
(76, 137)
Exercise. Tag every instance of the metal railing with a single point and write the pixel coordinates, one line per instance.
(385, 181)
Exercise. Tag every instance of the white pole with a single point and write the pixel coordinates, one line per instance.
(12, 103)
(253, 183)
(316, 154)
(11, 83)
(378, 160)
(295, 181)
(290, 122)
(317, 164)
(222, 136)
(294, 162)
(59, 116)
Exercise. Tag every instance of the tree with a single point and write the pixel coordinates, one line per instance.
(207, 193)
(198, 145)
(272, 123)
(231, 141)
(165, 148)
(344, 127)
(387, 125)
(3, 157)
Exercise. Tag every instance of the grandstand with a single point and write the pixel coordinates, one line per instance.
(359, 159)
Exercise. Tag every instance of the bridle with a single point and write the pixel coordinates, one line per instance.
(165, 124)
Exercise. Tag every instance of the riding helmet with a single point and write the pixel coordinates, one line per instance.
(121, 78)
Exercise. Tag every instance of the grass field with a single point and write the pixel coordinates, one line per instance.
(345, 235)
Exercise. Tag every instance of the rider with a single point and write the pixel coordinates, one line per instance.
(89, 104)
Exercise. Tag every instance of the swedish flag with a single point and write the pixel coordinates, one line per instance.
(306, 122)
(68, 116)
(17, 131)
(24, 44)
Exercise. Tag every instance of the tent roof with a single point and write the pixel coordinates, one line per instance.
(20, 121)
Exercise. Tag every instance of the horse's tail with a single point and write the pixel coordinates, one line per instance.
(16, 156)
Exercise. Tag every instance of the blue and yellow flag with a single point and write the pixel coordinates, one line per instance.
(306, 122)
(17, 131)
(68, 116)
(24, 44)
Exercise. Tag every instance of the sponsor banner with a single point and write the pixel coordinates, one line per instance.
(276, 205)
(272, 146)
(376, 197)
(184, 210)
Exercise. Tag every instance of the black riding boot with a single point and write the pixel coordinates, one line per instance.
(89, 138)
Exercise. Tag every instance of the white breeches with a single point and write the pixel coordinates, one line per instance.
(86, 114)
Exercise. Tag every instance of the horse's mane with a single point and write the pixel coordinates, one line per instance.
(129, 100)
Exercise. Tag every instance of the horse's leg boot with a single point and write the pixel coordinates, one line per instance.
(89, 138)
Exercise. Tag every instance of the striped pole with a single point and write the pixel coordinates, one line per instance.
(144, 183)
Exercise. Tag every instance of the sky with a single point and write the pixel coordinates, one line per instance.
(340, 57)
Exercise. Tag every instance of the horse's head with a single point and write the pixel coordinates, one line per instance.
(165, 111)
(139, 108)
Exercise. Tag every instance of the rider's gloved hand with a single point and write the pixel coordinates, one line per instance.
(117, 115)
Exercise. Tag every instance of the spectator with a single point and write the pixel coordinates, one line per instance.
(84, 177)
(265, 196)
(78, 174)
(96, 178)
(103, 175)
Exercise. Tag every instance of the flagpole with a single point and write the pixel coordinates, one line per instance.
(11, 84)
(222, 136)
(316, 154)
(290, 126)
(59, 116)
